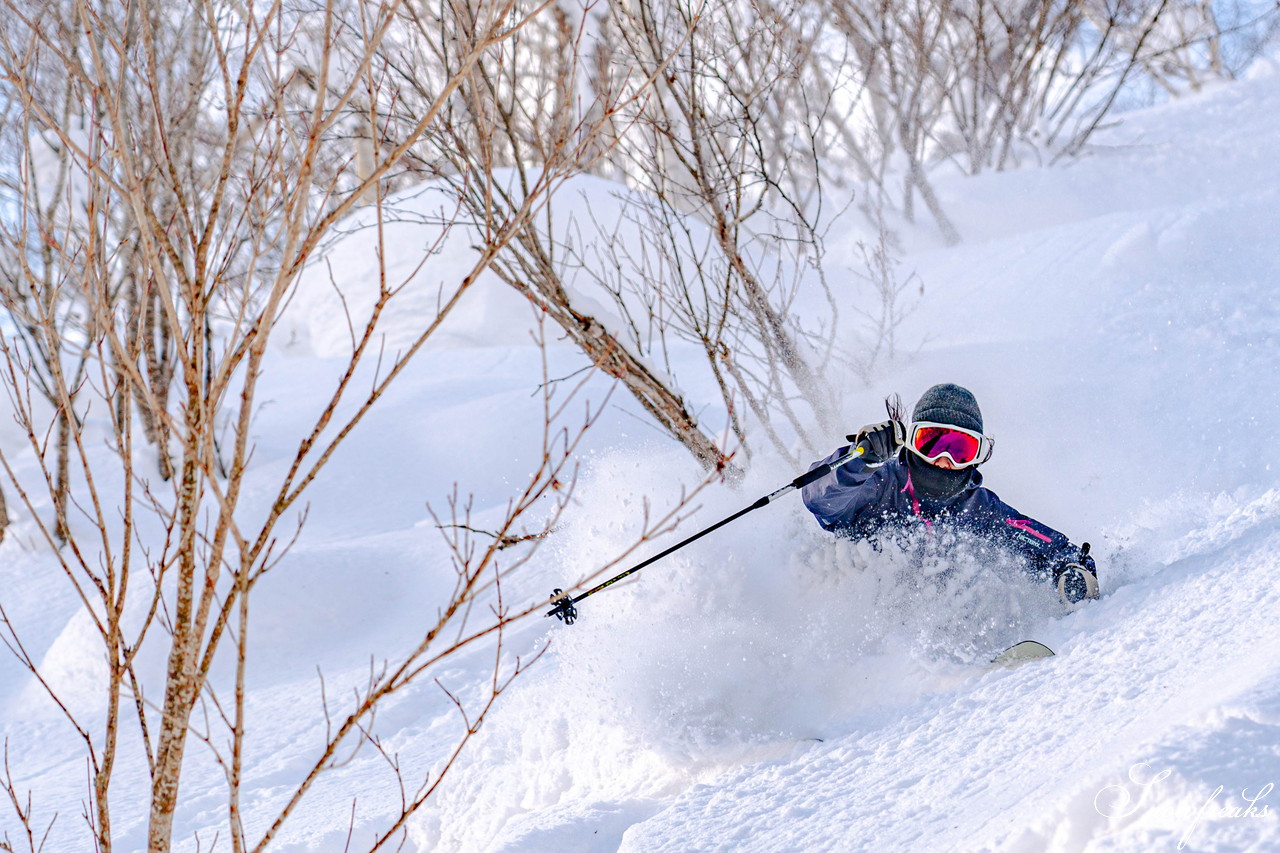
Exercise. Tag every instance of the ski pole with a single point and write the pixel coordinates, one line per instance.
(564, 605)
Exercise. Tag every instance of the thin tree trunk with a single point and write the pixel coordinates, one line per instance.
(156, 345)
(181, 688)
(63, 488)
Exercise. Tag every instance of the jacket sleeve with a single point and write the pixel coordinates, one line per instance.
(1045, 549)
(845, 497)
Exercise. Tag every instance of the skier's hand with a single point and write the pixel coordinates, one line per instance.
(1078, 579)
(882, 441)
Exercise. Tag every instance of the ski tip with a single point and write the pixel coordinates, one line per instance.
(1020, 653)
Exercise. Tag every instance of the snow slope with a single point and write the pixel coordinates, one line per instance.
(1117, 320)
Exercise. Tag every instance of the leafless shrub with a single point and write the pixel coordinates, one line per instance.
(727, 152)
(726, 121)
(201, 156)
(680, 103)
(985, 84)
(890, 298)
(51, 321)
(513, 115)
(1177, 43)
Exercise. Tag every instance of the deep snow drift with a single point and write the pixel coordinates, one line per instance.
(1116, 319)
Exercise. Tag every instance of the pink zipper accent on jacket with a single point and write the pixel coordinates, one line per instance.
(1025, 526)
(915, 501)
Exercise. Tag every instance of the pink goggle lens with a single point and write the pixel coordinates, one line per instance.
(931, 442)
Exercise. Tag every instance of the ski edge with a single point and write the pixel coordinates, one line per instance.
(1020, 653)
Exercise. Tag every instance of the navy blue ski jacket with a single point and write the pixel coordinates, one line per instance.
(863, 502)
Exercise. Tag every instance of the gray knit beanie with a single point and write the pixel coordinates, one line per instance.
(949, 404)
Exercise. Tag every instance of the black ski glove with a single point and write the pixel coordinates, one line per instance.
(1078, 579)
(882, 441)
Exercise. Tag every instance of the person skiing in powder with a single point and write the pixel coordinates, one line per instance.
(926, 474)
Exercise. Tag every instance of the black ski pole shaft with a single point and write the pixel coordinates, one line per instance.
(563, 605)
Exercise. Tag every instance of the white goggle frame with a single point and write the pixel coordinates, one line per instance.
(986, 444)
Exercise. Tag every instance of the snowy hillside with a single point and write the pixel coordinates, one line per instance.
(770, 687)
(1117, 319)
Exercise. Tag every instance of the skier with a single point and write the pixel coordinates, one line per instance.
(927, 474)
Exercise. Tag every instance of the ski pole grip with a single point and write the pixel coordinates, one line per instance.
(823, 470)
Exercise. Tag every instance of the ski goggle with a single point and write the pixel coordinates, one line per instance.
(963, 447)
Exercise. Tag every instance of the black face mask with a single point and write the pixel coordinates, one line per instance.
(930, 481)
